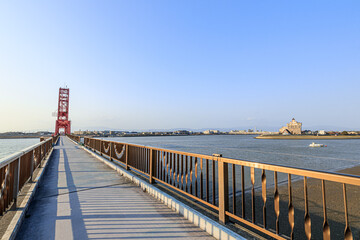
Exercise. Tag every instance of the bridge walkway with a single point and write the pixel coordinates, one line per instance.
(82, 198)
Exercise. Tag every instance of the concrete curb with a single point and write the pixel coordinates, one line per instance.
(212, 227)
(17, 220)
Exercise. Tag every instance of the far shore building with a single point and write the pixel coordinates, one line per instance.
(292, 127)
(321, 132)
(207, 132)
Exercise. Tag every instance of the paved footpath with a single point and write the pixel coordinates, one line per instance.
(82, 198)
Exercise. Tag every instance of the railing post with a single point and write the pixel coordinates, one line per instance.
(110, 152)
(151, 166)
(40, 164)
(223, 181)
(100, 145)
(16, 182)
(127, 156)
(7, 184)
(32, 165)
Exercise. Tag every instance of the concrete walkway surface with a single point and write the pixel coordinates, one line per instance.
(82, 198)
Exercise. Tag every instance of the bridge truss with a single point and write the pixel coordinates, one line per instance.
(63, 124)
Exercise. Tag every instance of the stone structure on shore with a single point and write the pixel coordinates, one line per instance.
(292, 127)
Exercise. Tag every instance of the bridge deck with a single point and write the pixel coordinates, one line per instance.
(81, 198)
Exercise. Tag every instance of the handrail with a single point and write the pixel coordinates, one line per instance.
(207, 179)
(74, 137)
(318, 174)
(322, 175)
(7, 159)
(17, 169)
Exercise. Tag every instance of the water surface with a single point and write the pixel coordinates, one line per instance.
(10, 146)
(338, 154)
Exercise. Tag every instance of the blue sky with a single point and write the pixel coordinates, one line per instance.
(138, 65)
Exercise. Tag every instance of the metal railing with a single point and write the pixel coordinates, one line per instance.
(208, 179)
(17, 169)
(74, 137)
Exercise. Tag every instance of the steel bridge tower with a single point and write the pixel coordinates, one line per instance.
(62, 123)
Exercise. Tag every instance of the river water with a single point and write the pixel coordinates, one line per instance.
(338, 154)
(10, 146)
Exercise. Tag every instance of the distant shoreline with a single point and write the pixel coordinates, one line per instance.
(305, 137)
(169, 135)
(18, 137)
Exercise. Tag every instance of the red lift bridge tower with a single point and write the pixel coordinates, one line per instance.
(62, 123)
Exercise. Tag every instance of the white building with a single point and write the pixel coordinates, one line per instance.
(321, 132)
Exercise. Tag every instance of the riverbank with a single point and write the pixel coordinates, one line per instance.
(307, 137)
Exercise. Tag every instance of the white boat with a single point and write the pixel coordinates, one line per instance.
(317, 145)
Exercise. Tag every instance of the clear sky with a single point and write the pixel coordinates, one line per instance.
(138, 65)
